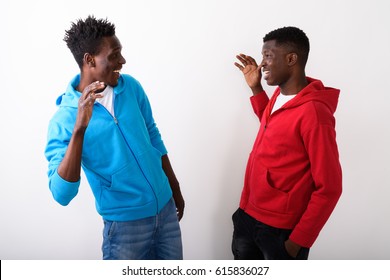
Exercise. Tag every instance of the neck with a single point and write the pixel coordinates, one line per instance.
(84, 82)
(294, 86)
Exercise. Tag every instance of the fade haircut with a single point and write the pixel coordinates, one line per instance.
(293, 38)
(85, 36)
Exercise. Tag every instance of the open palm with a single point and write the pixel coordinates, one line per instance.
(250, 69)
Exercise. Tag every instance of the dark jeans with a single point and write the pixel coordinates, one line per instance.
(253, 240)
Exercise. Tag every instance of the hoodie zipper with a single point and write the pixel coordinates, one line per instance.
(131, 150)
(254, 152)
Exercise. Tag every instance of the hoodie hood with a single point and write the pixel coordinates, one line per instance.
(314, 91)
(71, 96)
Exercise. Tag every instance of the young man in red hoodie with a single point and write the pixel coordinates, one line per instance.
(293, 178)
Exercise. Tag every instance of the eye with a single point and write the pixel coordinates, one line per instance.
(115, 55)
(266, 54)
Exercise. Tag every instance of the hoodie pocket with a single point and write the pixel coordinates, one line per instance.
(128, 189)
(266, 197)
(129, 179)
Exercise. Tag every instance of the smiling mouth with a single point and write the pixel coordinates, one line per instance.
(117, 73)
(266, 74)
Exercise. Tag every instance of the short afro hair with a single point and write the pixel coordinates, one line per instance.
(85, 36)
(293, 38)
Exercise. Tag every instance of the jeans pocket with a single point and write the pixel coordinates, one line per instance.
(285, 254)
(109, 227)
(235, 214)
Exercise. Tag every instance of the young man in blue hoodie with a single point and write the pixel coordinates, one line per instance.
(104, 124)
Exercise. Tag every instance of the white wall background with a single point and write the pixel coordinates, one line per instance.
(183, 54)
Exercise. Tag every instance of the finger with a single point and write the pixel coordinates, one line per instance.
(239, 66)
(92, 88)
(242, 58)
(90, 99)
(179, 215)
(97, 86)
(251, 60)
(180, 212)
(95, 95)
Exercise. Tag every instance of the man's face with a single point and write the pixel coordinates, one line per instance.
(109, 61)
(275, 64)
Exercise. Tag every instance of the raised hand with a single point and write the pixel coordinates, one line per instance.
(70, 167)
(86, 102)
(251, 71)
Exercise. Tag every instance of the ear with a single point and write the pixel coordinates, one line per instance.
(292, 59)
(88, 60)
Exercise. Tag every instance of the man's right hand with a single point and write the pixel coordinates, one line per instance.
(251, 71)
(70, 167)
(86, 103)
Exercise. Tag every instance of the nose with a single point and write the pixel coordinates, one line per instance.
(122, 60)
(262, 63)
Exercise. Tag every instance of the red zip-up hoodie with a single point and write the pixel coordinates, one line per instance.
(293, 178)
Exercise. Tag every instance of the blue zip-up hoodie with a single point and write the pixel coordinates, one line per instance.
(121, 155)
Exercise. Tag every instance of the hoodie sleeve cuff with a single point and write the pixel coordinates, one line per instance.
(160, 147)
(62, 190)
(302, 239)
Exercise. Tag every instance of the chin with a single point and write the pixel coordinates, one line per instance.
(112, 83)
(270, 83)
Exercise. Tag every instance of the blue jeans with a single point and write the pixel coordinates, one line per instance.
(254, 240)
(157, 237)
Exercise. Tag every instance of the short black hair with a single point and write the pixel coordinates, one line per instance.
(85, 36)
(292, 37)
